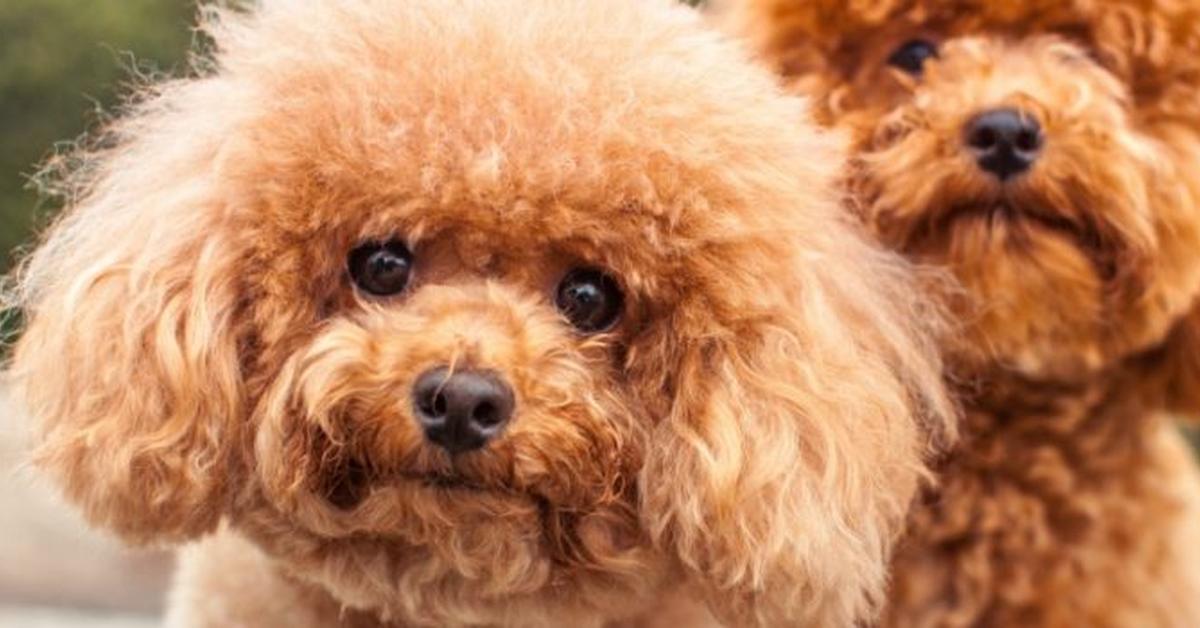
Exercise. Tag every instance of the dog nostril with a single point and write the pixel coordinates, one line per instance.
(434, 406)
(1029, 140)
(485, 414)
(428, 398)
(983, 138)
(461, 411)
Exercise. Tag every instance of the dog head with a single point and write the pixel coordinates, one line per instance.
(1042, 151)
(474, 310)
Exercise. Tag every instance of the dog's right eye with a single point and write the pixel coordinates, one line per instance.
(381, 268)
(912, 55)
(590, 299)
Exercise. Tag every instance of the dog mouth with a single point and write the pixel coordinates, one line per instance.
(1010, 213)
(354, 482)
(354, 485)
(1016, 221)
(1015, 217)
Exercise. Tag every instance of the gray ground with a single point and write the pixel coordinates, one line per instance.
(54, 571)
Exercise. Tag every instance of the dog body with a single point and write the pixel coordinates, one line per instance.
(1074, 508)
(1045, 154)
(480, 313)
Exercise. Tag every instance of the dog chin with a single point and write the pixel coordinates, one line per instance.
(430, 548)
(1015, 267)
(449, 509)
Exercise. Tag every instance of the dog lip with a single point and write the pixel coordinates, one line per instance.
(936, 226)
(348, 489)
(1084, 234)
(449, 482)
(1009, 211)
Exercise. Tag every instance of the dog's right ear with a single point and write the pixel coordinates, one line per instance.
(128, 365)
(1177, 369)
(797, 435)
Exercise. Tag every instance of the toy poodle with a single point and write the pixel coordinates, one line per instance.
(1044, 152)
(480, 313)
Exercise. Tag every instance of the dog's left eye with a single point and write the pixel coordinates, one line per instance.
(912, 55)
(381, 268)
(590, 299)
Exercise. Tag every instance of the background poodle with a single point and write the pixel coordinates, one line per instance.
(1045, 153)
(479, 312)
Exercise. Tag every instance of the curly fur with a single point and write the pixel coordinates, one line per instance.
(1066, 503)
(751, 434)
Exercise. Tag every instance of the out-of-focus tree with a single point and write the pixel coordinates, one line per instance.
(61, 62)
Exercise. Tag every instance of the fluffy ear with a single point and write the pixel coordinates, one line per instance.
(128, 365)
(1176, 368)
(796, 440)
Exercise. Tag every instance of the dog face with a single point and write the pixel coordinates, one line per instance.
(473, 311)
(1039, 150)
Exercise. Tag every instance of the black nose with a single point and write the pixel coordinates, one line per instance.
(461, 411)
(1005, 142)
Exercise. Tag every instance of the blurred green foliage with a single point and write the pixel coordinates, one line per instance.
(61, 61)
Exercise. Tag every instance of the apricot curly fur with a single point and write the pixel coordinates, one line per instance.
(1071, 500)
(749, 435)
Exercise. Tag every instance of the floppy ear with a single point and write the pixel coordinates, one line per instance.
(796, 439)
(1177, 368)
(128, 365)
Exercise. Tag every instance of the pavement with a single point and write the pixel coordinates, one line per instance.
(55, 572)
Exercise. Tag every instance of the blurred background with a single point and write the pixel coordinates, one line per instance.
(62, 62)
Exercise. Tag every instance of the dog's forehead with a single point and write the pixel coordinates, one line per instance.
(559, 118)
(850, 15)
(832, 24)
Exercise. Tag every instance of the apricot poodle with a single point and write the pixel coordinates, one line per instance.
(480, 312)
(1045, 152)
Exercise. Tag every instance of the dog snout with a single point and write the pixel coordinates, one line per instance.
(1005, 142)
(461, 411)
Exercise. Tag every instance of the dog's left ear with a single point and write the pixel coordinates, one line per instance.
(797, 435)
(1176, 370)
(129, 367)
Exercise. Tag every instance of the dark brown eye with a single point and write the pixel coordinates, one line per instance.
(912, 55)
(381, 268)
(590, 299)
